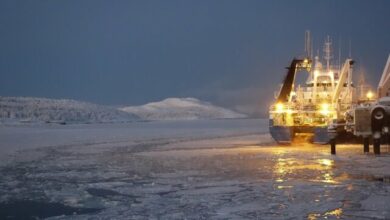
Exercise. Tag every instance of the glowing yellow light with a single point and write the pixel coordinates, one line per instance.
(324, 108)
(326, 162)
(370, 95)
(279, 107)
(305, 60)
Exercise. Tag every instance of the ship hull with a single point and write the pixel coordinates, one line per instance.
(286, 134)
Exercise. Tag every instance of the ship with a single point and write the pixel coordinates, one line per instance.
(307, 108)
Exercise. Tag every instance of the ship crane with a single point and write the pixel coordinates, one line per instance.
(345, 77)
(384, 83)
(296, 64)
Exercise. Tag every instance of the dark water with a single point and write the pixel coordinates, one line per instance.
(26, 209)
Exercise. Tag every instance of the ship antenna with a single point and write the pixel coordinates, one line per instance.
(308, 44)
(327, 51)
(311, 52)
(339, 54)
(350, 54)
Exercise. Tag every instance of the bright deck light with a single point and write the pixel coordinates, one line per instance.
(370, 95)
(324, 108)
(279, 107)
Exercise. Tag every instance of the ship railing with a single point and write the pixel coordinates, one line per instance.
(295, 108)
(309, 108)
(286, 107)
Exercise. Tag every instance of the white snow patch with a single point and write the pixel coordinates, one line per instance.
(181, 109)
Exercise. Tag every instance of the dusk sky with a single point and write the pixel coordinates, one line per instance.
(231, 53)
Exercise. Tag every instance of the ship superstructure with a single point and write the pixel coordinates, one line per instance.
(308, 108)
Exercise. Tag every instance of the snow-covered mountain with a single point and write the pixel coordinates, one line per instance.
(27, 109)
(181, 109)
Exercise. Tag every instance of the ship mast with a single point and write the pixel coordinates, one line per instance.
(308, 45)
(328, 52)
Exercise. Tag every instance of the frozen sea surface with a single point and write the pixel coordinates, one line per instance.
(217, 169)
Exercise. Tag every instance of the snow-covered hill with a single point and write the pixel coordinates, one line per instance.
(26, 109)
(181, 109)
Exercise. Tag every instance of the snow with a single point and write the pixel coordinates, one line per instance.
(62, 111)
(202, 169)
(28, 109)
(181, 109)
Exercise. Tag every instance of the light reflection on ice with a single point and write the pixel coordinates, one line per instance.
(336, 213)
(313, 216)
(284, 167)
(326, 162)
